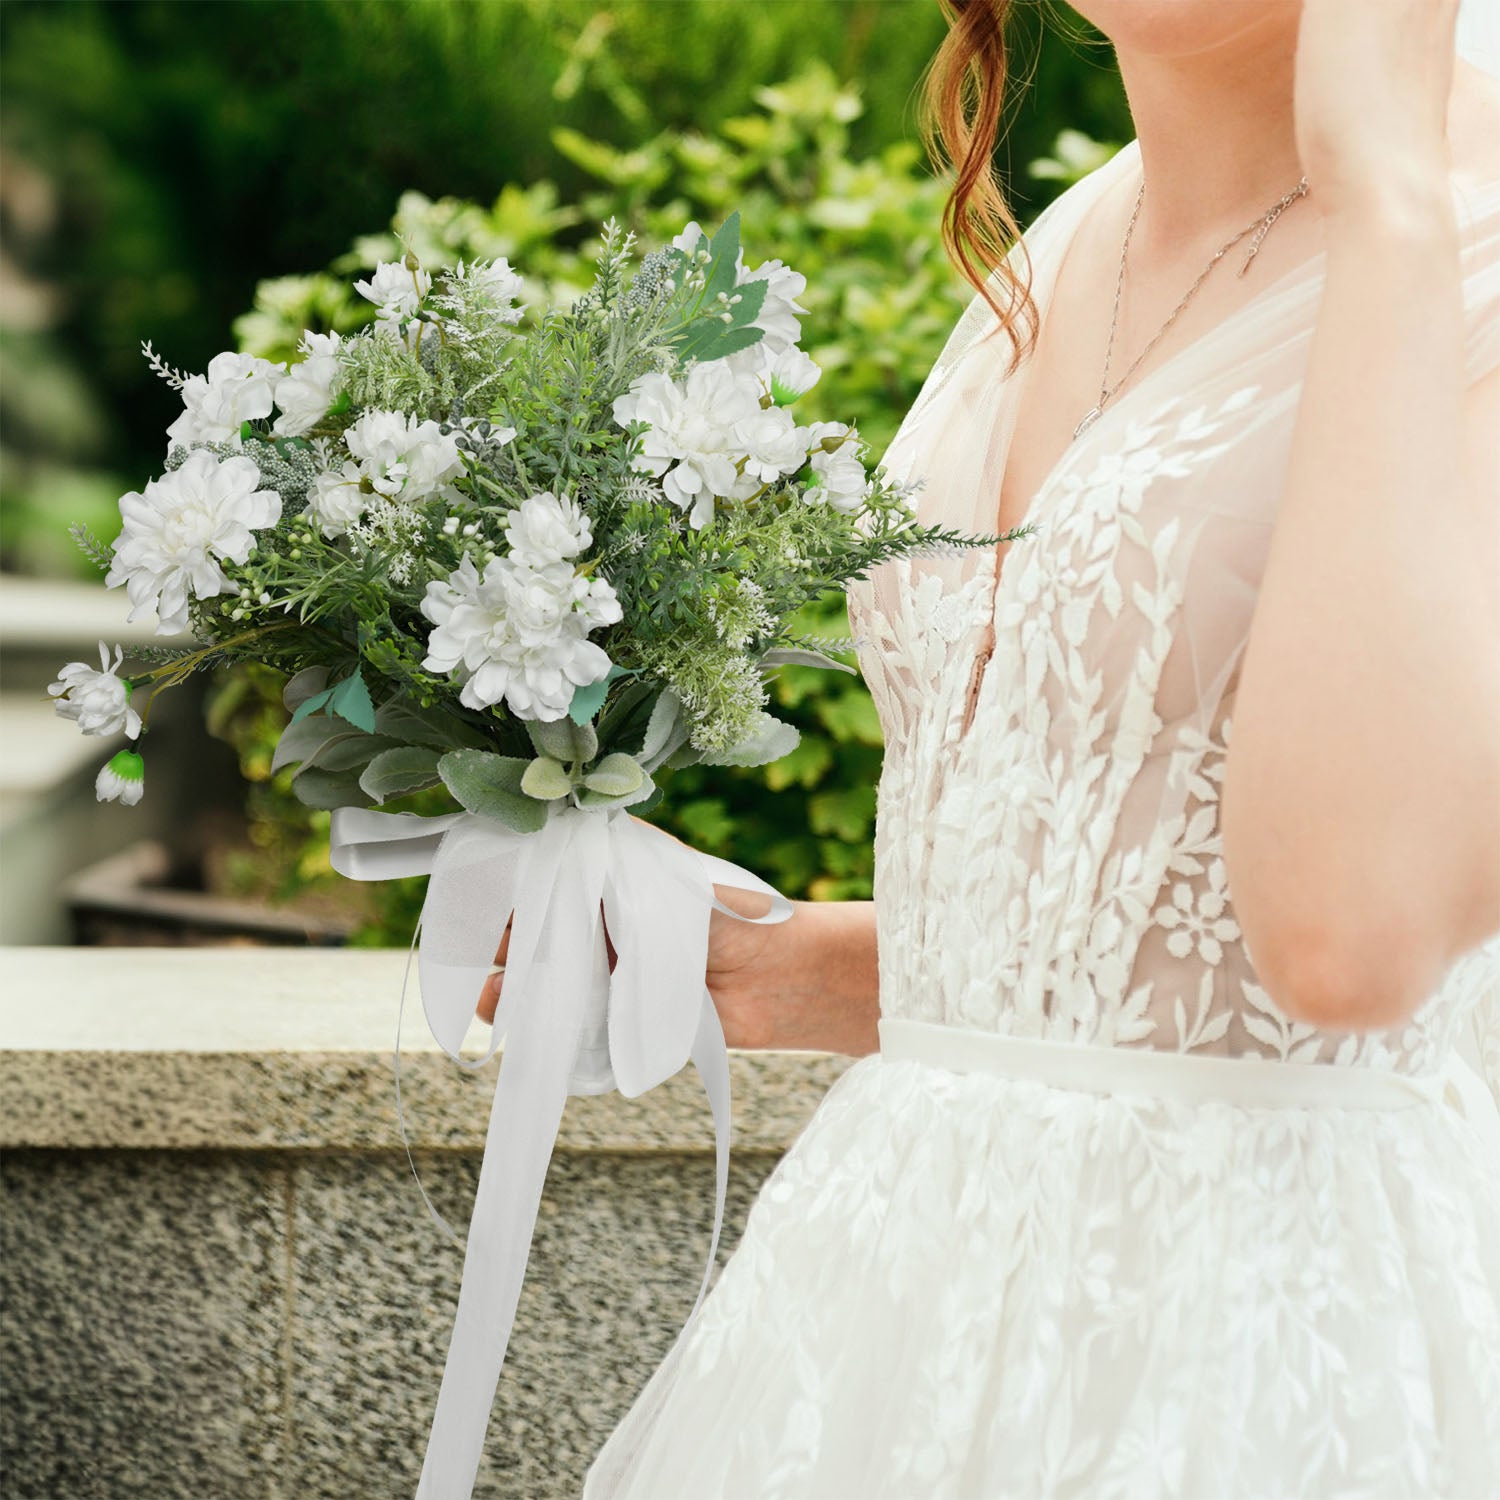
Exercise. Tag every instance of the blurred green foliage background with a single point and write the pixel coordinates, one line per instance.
(209, 174)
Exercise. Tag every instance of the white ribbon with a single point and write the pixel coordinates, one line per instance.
(569, 1026)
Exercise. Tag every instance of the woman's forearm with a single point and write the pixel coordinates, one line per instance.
(1360, 790)
(810, 982)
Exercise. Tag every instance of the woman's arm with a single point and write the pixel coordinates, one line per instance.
(1361, 804)
(809, 982)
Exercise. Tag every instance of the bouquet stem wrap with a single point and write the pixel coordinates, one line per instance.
(569, 1026)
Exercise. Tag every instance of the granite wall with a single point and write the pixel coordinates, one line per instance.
(218, 1277)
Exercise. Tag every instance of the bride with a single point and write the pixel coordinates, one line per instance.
(1106, 1206)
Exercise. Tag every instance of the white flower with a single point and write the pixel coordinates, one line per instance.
(519, 634)
(122, 778)
(791, 374)
(779, 314)
(547, 528)
(336, 500)
(687, 241)
(97, 701)
(692, 444)
(237, 388)
(306, 392)
(839, 478)
(395, 289)
(498, 282)
(774, 445)
(177, 532)
(401, 456)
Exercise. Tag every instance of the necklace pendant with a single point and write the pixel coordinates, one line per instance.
(1091, 416)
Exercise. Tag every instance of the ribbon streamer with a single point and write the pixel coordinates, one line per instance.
(568, 1024)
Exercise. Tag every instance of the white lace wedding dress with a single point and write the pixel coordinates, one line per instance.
(1100, 1219)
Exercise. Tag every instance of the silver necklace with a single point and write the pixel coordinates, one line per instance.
(1261, 226)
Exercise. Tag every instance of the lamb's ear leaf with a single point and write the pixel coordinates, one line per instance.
(351, 701)
(403, 721)
(589, 797)
(562, 739)
(353, 751)
(329, 789)
(801, 656)
(547, 779)
(311, 705)
(665, 716)
(399, 771)
(769, 740)
(301, 740)
(616, 775)
(301, 686)
(490, 786)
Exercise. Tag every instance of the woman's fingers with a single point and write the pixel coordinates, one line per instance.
(489, 993)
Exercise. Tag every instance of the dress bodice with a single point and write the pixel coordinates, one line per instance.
(1053, 869)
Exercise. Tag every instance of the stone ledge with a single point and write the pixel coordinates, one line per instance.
(279, 1048)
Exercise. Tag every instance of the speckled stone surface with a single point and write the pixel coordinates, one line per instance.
(289, 1047)
(220, 1280)
(273, 1325)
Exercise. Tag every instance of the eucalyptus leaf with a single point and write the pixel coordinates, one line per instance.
(800, 656)
(490, 785)
(615, 775)
(769, 740)
(400, 771)
(546, 778)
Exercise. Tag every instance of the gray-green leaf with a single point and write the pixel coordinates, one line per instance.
(490, 786)
(800, 656)
(615, 775)
(769, 740)
(546, 778)
(402, 770)
(562, 739)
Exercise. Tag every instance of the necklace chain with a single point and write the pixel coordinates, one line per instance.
(1261, 226)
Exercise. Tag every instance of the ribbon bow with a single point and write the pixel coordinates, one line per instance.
(569, 1026)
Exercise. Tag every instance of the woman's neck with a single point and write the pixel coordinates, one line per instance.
(1216, 132)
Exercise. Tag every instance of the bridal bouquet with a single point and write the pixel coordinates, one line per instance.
(538, 566)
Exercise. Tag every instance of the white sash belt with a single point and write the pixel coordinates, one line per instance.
(1247, 1080)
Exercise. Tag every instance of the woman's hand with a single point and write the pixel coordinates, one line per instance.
(808, 982)
(1371, 102)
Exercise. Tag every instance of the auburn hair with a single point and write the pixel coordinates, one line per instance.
(960, 111)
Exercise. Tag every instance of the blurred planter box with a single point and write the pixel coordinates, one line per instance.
(143, 897)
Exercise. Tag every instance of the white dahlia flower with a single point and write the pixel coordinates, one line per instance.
(774, 445)
(237, 388)
(692, 443)
(97, 701)
(547, 528)
(839, 478)
(395, 289)
(307, 390)
(336, 499)
(519, 634)
(403, 457)
(181, 527)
